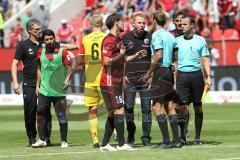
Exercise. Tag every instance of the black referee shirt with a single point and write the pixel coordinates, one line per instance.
(137, 67)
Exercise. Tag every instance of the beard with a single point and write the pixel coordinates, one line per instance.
(121, 29)
(187, 32)
(50, 47)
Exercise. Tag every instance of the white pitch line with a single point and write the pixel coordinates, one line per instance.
(45, 154)
(143, 149)
(229, 159)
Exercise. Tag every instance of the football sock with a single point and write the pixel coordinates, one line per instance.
(119, 125)
(162, 122)
(93, 124)
(109, 127)
(64, 131)
(174, 127)
(198, 124)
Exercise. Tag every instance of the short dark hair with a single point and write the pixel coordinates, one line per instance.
(191, 19)
(31, 23)
(48, 32)
(160, 18)
(112, 19)
(177, 13)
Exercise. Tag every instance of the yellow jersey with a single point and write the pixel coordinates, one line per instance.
(91, 48)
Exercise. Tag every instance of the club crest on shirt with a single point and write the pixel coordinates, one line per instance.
(30, 51)
(146, 41)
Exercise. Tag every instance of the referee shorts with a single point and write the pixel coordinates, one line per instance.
(162, 85)
(190, 86)
(112, 96)
(92, 96)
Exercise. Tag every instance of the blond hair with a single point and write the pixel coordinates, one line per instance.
(138, 14)
(96, 21)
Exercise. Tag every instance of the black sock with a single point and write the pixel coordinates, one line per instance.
(41, 126)
(174, 127)
(162, 122)
(198, 124)
(183, 120)
(181, 124)
(109, 127)
(64, 131)
(119, 125)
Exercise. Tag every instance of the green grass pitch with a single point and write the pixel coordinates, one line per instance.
(220, 137)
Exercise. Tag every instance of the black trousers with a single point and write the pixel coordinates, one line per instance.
(129, 99)
(2, 38)
(30, 111)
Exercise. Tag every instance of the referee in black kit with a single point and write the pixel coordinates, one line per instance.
(135, 69)
(192, 49)
(26, 52)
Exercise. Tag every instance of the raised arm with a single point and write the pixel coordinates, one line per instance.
(107, 61)
(139, 54)
(69, 46)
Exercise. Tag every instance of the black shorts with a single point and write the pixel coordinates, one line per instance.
(190, 86)
(112, 96)
(162, 85)
(44, 103)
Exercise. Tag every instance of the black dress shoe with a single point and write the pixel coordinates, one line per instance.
(197, 142)
(96, 145)
(163, 146)
(48, 142)
(31, 141)
(130, 140)
(183, 140)
(146, 142)
(176, 145)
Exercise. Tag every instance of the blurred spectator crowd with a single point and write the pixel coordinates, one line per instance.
(9, 8)
(215, 19)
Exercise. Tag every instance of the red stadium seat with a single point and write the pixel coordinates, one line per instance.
(230, 34)
(217, 34)
(238, 27)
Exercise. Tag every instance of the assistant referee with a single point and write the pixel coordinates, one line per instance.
(190, 81)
